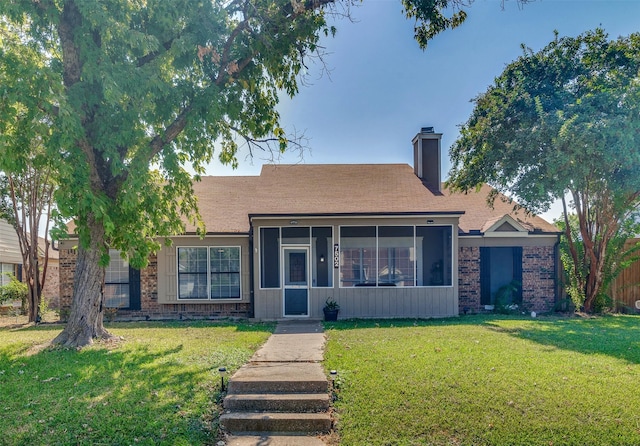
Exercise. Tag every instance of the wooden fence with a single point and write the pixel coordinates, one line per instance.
(625, 290)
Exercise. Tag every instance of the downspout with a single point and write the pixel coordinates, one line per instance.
(252, 312)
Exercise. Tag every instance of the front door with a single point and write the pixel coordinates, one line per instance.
(296, 281)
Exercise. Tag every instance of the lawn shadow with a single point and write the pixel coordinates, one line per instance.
(77, 393)
(615, 336)
(240, 326)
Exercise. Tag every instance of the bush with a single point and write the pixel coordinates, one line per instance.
(14, 290)
(505, 299)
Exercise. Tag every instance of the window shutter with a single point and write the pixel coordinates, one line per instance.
(134, 289)
(485, 276)
(517, 271)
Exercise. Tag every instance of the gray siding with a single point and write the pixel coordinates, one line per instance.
(9, 247)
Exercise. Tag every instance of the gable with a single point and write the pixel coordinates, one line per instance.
(504, 226)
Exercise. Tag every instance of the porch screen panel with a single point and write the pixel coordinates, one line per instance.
(434, 255)
(296, 235)
(358, 262)
(322, 256)
(396, 256)
(192, 273)
(270, 257)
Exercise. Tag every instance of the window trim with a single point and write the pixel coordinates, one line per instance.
(208, 299)
(415, 277)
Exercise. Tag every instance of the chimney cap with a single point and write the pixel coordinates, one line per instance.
(427, 130)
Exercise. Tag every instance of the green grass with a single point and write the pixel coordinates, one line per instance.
(159, 386)
(487, 380)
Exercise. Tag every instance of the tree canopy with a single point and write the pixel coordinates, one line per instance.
(27, 176)
(132, 95)
(562, 122)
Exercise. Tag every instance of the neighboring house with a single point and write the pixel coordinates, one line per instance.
(10, 257)
(383, 240)
(11, 263)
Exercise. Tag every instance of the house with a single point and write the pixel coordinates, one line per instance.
(10, 259)
(11, 264)
(383, 240)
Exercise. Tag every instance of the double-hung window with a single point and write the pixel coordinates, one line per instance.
(6, 271)
(121, 283)
(209, 272)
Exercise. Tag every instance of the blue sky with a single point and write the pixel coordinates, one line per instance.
(382, 88)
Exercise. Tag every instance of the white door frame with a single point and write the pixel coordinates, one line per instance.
(300, 286)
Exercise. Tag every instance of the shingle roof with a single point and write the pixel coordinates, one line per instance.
(226, 202)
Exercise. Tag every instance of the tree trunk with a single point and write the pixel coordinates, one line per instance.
(85, 320)
(34, 302)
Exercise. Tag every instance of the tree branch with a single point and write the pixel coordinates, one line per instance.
(171, 132)
(153, 55)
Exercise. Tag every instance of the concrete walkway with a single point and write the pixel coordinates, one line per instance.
(281, 394)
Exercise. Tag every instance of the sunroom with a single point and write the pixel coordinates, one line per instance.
(373, 266)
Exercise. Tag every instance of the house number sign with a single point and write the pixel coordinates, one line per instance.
(336, 256)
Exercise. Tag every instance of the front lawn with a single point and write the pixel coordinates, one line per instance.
(159, 386)
(487, 380)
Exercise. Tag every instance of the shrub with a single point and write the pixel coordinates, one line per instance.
(14, 290)
(505, 299)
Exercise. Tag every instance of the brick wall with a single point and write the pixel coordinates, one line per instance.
(469, 280)
(67, 268)
(150, 308)
(538, 279)
(51, 290)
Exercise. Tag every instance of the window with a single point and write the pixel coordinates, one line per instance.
(192, 273)
(225, 273)
(6, 271)
(121, 283)
(401, 256)
(209, 273)
(116, 282)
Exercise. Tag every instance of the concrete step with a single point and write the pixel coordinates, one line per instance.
(273, 440)
(279, 377)
(275, 422)
(279, 402)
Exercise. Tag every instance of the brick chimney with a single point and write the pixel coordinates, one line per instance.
(426, 157)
